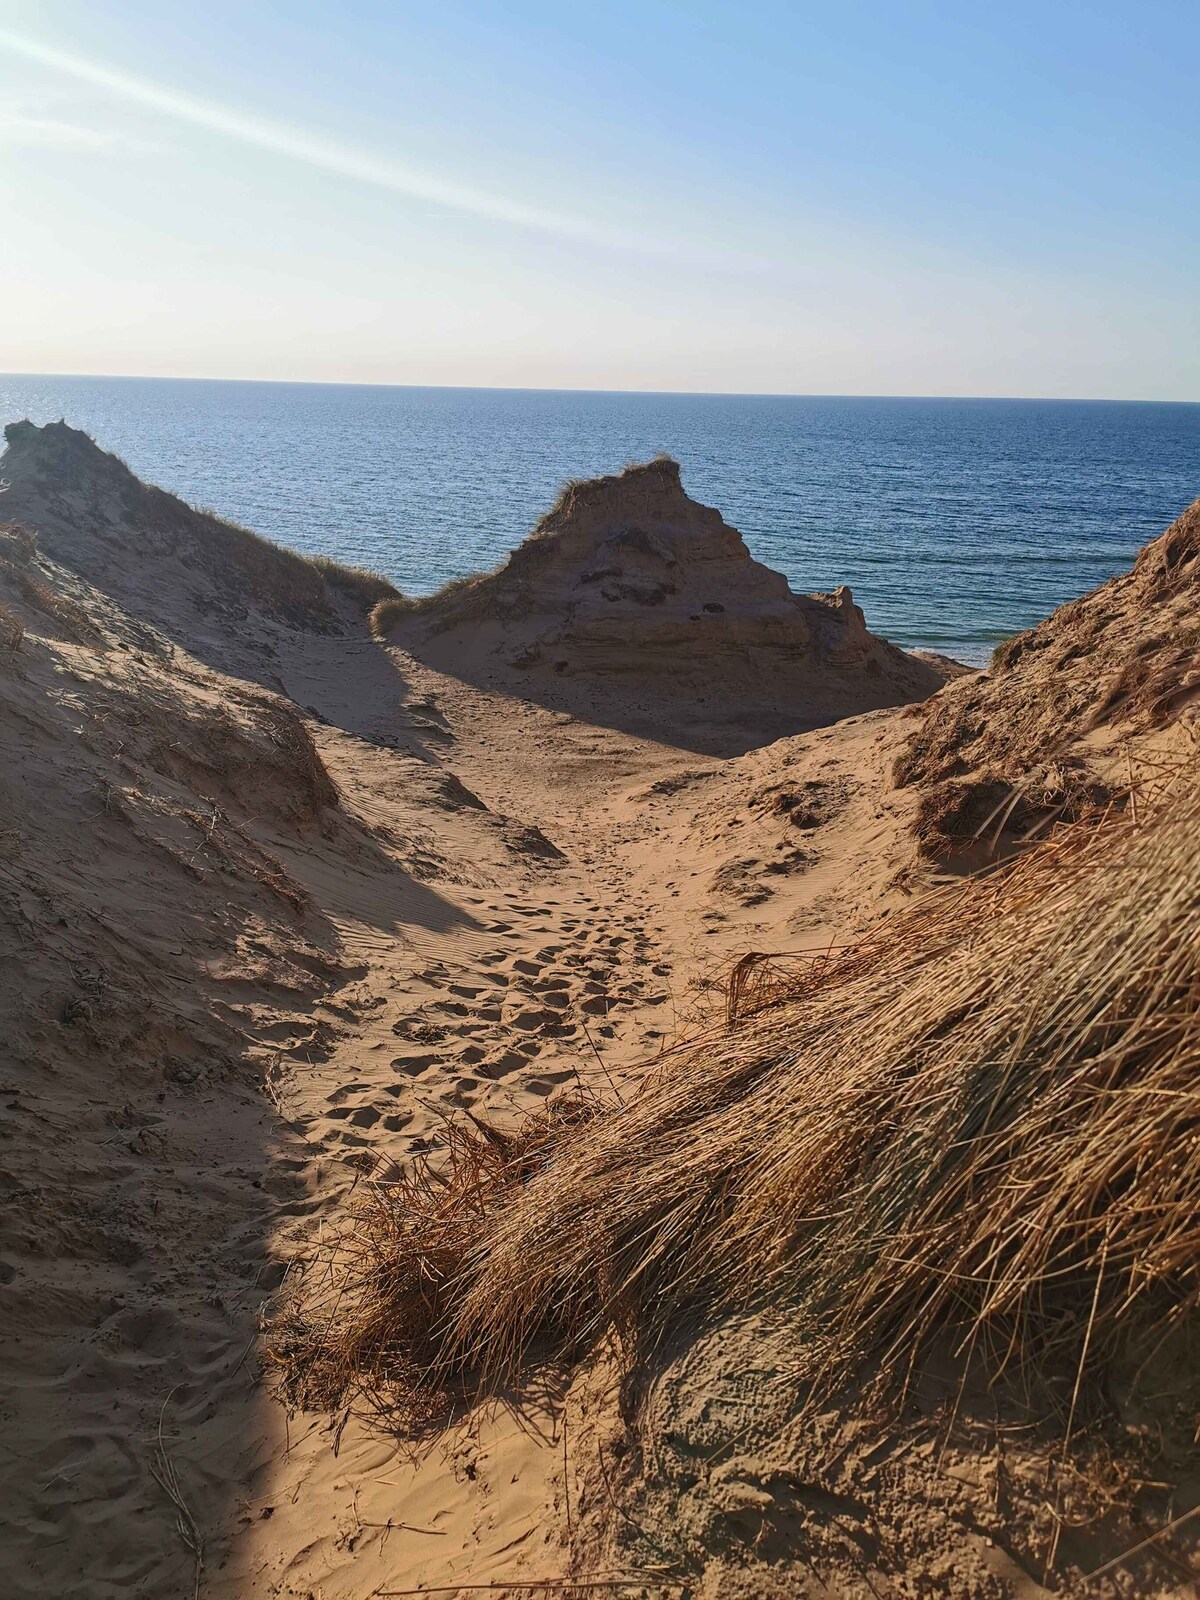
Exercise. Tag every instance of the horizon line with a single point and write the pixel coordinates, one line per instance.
(694, 394)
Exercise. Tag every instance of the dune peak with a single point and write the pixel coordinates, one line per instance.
(628, 582)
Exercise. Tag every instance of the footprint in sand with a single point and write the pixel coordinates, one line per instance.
(414, 1066)
(499, 1066)
(545, 1083)
(337, 1139)
(339, 1096)
(359, 1116)
(533, 1021)
(467, 991)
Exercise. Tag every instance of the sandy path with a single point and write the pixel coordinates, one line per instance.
(512, 963)
(515, 969)
(508, 900)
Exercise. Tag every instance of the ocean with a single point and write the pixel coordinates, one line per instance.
(956, 522)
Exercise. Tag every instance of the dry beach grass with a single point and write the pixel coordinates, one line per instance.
(981, 1119)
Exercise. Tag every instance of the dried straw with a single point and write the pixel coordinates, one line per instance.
(985, 1120)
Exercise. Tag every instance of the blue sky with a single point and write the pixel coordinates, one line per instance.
(850, 198)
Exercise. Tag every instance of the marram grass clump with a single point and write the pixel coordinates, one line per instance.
(981, 1123)
(365, 588)
(458, 600)
(22, 571)
(400, 1256)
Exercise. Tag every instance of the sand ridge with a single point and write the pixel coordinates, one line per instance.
(632, 606)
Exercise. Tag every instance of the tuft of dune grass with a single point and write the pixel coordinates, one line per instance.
(458, 600)
(409, 1237)
(365, 588)
(981, 1122)
(280, 577)
(12, 630)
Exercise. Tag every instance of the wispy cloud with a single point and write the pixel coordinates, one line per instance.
(20, 127)
(363, 166)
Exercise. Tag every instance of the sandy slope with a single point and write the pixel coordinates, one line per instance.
(376, 965)
(541, 971)
(242, 968)
(178, 933)
(551, 968)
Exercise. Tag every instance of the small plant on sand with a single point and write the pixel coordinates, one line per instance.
(387, 613)
(285, 575)
(18, 544)
(457, 600)
(18, 564)
(404, 1251)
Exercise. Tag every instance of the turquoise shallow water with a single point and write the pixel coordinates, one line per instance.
(957, 522)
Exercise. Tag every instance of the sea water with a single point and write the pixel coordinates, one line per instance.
(956, 522)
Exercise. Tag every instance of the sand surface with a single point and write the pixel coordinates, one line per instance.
(532, 971)
(276, 902)
(507, 900)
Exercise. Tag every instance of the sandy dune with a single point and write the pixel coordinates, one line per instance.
(632, 606)
(278, 900)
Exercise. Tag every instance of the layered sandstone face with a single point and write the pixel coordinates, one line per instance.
(1068, 709)
(628, 578)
